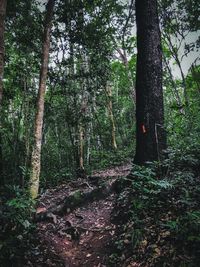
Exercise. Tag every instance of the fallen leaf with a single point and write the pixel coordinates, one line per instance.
(39, 210)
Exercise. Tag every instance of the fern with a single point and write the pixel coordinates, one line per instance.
(163, 184)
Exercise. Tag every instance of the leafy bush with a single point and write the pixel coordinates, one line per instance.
(15, 225)
(161, 212)
(104, 159)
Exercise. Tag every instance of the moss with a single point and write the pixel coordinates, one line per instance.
(77, 197)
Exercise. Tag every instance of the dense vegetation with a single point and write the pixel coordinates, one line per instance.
(89, 120)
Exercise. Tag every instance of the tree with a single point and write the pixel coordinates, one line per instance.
(36, 154)
(111, 116)
(150, 135)
(2, 22)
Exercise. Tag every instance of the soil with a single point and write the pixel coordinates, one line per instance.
(80, 237)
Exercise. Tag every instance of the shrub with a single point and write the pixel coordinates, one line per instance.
(15, 225)
(163, 223)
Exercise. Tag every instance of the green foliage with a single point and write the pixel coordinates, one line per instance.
(103, 159)
(16, 225)
(163, 210)
(85, 43)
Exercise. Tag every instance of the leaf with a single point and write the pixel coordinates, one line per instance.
(26, 224)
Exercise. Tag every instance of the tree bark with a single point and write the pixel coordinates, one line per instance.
(36, 154)
(3, 4)
(81, 152)
(111, 116)
(150, 135)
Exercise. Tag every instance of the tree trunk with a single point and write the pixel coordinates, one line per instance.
(111, 116)
(3, 4)
(89, 132)
(36, 154)
(150, 135)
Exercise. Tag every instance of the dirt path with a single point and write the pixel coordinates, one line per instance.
(88, 241)
(81, 237)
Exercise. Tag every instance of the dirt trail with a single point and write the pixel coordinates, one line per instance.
(88, 242)
(81, 237)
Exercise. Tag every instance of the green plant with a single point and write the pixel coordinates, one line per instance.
(16, 225)
(163, 209)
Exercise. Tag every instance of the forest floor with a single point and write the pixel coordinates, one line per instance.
(80, 236)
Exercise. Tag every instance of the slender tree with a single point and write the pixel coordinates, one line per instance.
(150, 135)
(111, 116)
(3, 4)
(36, 154)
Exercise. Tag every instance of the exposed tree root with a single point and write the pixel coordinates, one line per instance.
(75, 199)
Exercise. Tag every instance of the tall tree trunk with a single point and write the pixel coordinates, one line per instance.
(89, 133)
(84, 110)
(150, 135)
(111, 116)
(3, 4)
(36, 154)
(81, 152)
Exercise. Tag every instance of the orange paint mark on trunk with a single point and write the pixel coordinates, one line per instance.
(143, 129)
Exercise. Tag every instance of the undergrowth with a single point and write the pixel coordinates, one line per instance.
(16, 226)
(159, 210)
